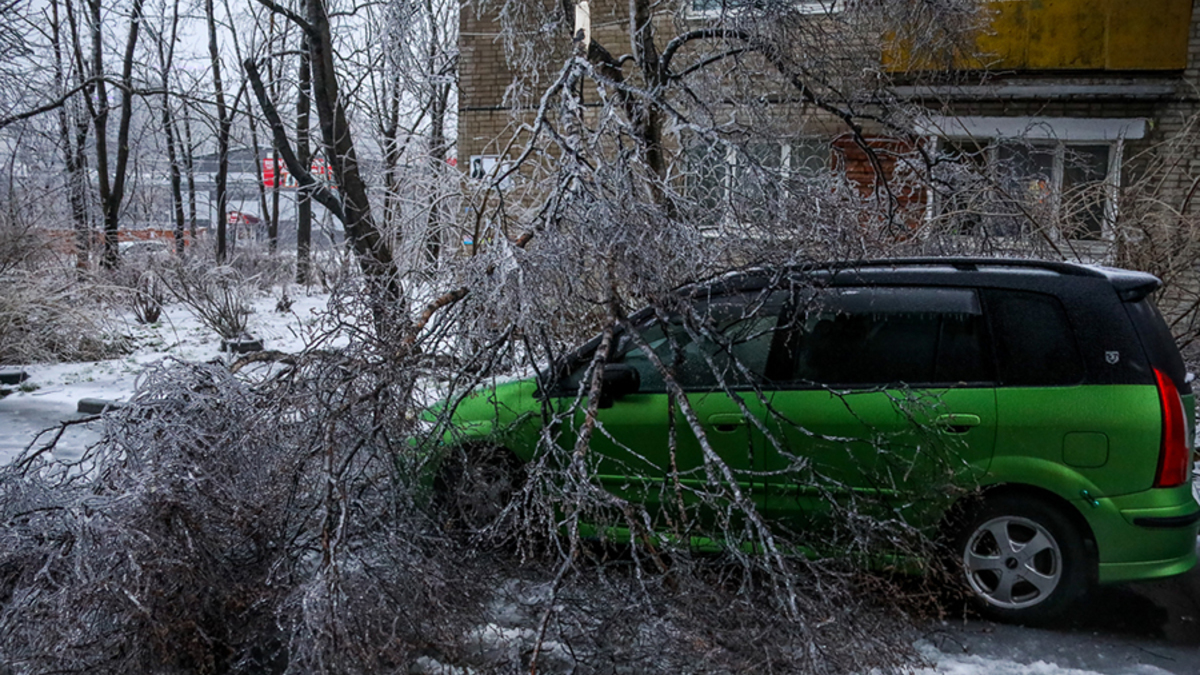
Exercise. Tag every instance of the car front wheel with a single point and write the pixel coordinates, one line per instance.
(475, 484)
(1022, 560)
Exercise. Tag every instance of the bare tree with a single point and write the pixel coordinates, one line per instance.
(303, 158)
(72, 126)
(189, 153)
(165, 40)
(351, 205)
(112, 187)
(224, 124)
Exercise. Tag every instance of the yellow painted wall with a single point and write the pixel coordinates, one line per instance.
(1071, 35)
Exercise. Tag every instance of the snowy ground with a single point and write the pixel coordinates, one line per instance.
(1081, 647)
(950, 663)
(53, 391)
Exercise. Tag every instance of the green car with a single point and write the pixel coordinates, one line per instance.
(1035, 415)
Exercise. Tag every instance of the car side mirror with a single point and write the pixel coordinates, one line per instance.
(617, 380)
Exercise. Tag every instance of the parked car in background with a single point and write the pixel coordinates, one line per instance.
(1035, 415)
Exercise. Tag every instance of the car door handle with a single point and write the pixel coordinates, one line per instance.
(726, 422)
(957, 423)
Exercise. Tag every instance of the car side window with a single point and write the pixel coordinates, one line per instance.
(1035, 345)
(725, 342)
(879, 336)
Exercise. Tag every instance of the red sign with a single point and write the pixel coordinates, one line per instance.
(239, 218)
(319, 170)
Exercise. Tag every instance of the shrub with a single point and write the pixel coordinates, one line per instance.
(260, 268)
(48, 317)
(218, 296)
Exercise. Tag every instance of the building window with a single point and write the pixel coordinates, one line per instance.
(748, 182)
(718, 7)
(1006, 188)
(1007, 176)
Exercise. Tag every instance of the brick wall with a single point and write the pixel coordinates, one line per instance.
(483, 78)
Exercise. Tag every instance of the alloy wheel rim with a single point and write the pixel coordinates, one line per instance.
(1012, 562)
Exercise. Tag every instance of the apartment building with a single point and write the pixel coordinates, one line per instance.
(1059, 103)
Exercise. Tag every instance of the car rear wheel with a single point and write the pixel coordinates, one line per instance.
(1022, 560)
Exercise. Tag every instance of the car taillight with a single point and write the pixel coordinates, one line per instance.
(1174, 456)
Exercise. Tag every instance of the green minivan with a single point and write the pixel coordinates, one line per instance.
(1034, 415)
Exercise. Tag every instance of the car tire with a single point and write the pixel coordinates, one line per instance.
(1020, 559)
(475, 484)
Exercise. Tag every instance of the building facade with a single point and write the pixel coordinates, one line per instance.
(1061, 105)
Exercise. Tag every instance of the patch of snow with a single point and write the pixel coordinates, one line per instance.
(52, 392)
(947, 663)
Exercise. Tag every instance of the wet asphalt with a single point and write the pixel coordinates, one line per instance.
(1143, 628)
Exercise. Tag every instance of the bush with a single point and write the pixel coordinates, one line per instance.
(22, 246)
(258, 267)
(202, 535)
(218, 296)
(48, 317)
(137, 286)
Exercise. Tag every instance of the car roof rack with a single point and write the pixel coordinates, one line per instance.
(1130, 285)
(971, 264)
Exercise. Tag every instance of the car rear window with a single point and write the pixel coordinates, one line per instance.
(1035, 346)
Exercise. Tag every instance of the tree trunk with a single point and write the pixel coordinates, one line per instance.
(644, 113)
(112, 194)
(439, 95)
(176, 177)
(258, 173)
(72, 146)
(100, 123)
(273, 215)
(647, 115)
(223, 129)
(303, 196)
(372, 251)
(167, 61)
(189, 167)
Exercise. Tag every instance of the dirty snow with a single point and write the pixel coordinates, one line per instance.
(971, 664)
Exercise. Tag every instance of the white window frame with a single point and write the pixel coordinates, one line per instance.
(1062, 132)
(728, 183)
(802, 6)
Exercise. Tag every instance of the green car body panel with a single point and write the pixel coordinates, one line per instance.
(933, 438)
(1018, 442)
(1107, 476)
(505, 414)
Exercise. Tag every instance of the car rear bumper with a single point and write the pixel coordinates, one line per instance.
(1154, 569)
(1138, 541)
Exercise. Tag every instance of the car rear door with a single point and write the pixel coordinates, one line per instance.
(888, 398)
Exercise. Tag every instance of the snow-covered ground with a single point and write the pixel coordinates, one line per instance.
(53, 391)
(951, 663)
